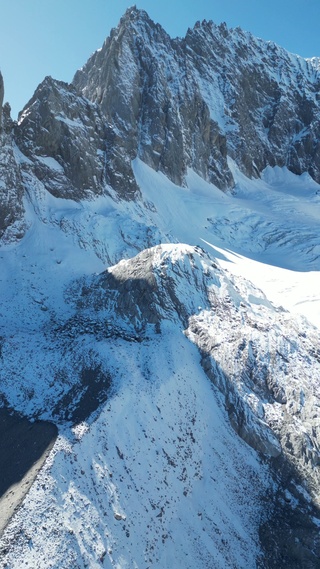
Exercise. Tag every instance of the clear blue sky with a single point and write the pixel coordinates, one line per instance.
(56, 37)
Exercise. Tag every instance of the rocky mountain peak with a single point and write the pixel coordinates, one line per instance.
(63, 136)
(191, 102)
(135, 15)
(176, 104)
(152, 103)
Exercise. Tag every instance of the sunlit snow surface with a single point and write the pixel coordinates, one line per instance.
(267, 231)
(158, 478)
(161, 458)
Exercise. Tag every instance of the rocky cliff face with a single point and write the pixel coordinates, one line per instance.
(176, 104)
(149, 93)
(191, 102)
(268, 98)
(63, 136)
(12, 190)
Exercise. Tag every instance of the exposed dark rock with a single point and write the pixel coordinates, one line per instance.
(12, 223)
(176, 104)
(24, 446)
(147, 90)
(188, 103)
(58, 124)
(138, 292)
(290, 535)
(268, 97)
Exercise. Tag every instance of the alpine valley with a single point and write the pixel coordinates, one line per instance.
(160, 308)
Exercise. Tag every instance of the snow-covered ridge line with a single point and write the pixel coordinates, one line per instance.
(315, 62)
(252, 352)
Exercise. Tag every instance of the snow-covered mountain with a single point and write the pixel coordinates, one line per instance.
(160, 309)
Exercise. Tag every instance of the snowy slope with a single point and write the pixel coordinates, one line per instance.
(169, 329)
(160, 451)
(67, 240)
(270, 225)
(156, 481)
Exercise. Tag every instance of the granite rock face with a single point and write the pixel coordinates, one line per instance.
(191, 102)
(268, 98)
(176, 104)
(12, 222)
(63, 135)
(143, 82)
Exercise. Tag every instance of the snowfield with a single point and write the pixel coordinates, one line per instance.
(155, 481)
(155, 476)
(266, 232)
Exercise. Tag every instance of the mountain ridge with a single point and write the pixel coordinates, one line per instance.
(206, 114)
(212, 38)
(185, 396)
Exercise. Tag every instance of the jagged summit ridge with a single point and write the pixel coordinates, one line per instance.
(176, 104)
(139, 81)
(258, 100)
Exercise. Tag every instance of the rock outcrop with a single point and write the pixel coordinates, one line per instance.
(63, 136)
(261, 361)
(176, 104)
(191, 102)
(249, 354)
(12, 222)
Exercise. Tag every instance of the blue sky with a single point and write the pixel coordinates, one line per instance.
(56, 37)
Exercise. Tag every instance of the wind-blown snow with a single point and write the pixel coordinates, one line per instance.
(156, 477)
(156, 481)
(267, 231)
